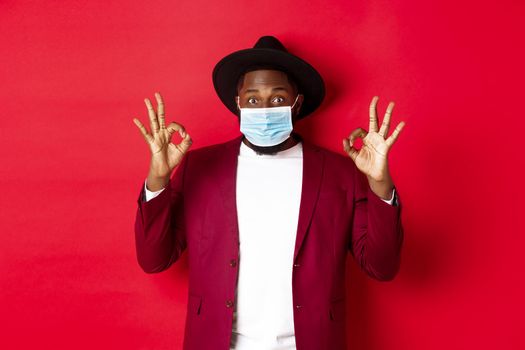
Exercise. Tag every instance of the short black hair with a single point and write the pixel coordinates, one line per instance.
(261, 66)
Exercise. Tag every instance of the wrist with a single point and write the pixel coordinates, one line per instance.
(156, 182)
(158, 169)
(382, 189)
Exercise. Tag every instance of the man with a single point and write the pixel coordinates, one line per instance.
(268, 217)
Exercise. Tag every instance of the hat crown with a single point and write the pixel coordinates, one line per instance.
(269, 42)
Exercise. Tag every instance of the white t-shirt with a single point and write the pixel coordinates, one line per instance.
(268, 199)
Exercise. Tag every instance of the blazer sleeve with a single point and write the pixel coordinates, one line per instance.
(377, 231)
(160, 234)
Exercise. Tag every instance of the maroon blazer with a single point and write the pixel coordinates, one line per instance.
(338, 213)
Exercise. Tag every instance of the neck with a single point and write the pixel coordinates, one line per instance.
(293, 140)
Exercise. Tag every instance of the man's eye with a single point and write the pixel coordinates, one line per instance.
(278, 99)
(252, 100)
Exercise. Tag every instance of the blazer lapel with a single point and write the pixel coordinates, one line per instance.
(227, 179)
(313, 165)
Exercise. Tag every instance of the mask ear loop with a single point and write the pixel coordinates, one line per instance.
(237, 100)
(296, 98)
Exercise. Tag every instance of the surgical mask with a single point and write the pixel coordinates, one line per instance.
(266, 126)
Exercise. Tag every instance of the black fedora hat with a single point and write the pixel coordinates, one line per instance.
(268, 51)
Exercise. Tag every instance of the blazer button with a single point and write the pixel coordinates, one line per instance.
(296, 265)
(233, 262)
(229, 303)
(298, 306)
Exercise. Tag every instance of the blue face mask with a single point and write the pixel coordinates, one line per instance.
(266, 126)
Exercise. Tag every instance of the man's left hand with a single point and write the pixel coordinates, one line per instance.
(372, 158)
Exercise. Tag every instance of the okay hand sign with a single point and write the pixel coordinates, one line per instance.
(165, 155)
(371, 159)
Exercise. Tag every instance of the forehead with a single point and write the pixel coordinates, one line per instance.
(262, 78)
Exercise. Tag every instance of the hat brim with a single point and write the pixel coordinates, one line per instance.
(228, 70)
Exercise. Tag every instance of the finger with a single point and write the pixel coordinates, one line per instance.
(160, 110)
(152, 116)
(173, 127)
(359, 132)
(143, 130)
(390, 141)
(351, 151)
(386, 120)
(373, 114)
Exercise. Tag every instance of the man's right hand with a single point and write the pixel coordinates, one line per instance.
(165, 155)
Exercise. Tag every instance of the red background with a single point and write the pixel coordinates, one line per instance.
(74, 73)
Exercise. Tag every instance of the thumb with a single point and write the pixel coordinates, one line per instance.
(186, 142)
(350, 150)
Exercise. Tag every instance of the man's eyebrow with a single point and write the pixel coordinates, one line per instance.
(273, 89)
